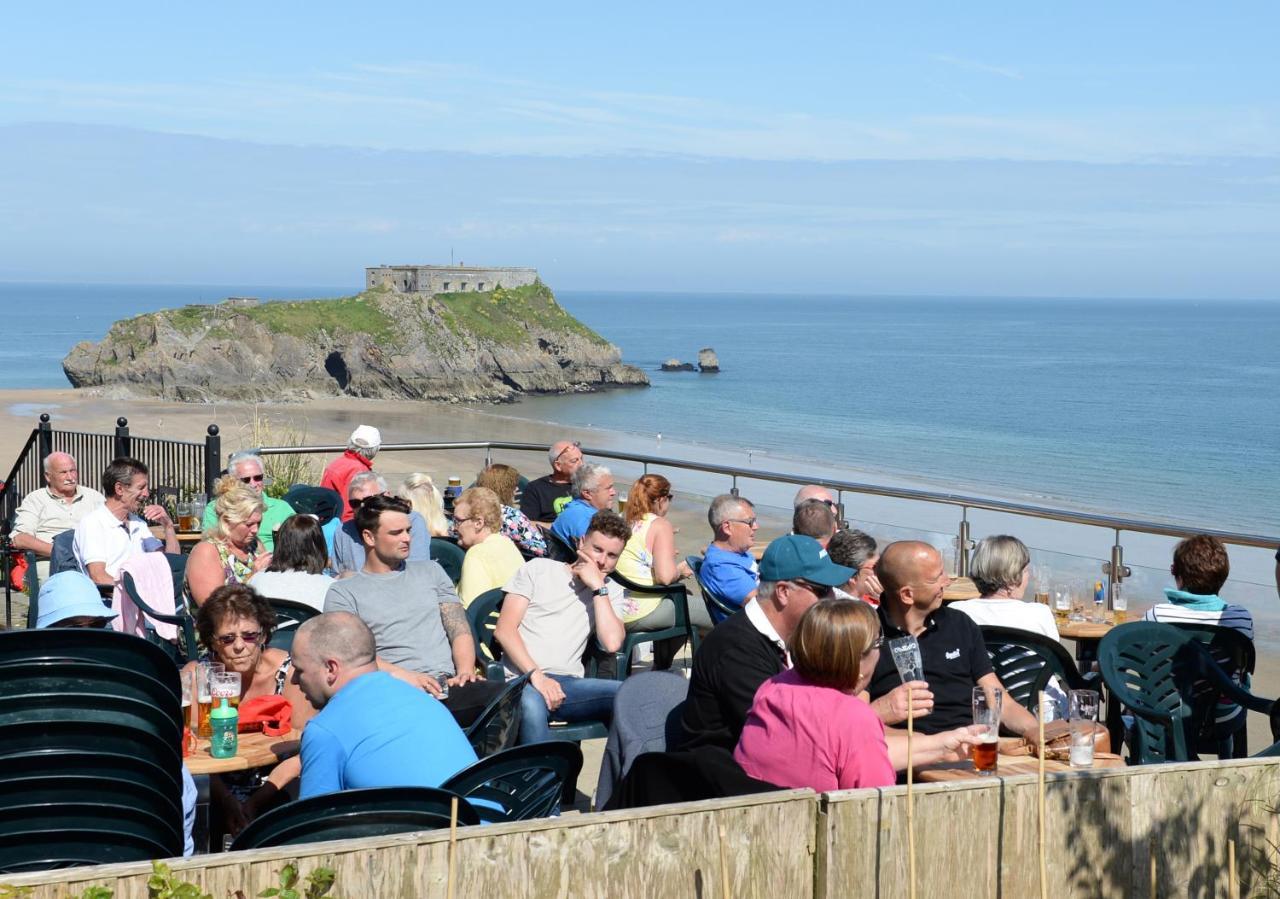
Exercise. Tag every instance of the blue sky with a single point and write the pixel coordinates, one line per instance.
(928, 148)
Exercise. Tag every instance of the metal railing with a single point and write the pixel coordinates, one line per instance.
(1114, 569)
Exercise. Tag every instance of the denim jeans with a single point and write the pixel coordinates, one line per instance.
(585, 699)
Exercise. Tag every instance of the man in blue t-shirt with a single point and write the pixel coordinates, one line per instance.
(728, 568)
(593, 492)
(372, 730)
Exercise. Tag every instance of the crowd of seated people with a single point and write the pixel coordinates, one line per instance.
(788, 688)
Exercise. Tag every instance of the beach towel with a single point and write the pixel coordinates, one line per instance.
(153, 579)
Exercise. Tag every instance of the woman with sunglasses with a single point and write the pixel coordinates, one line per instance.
(649, 558)
(229, 552)
(235, 623)
(808, 727)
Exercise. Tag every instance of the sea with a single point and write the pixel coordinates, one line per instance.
(1155, 409)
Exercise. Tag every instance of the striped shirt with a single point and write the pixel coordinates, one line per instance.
(1235, 617)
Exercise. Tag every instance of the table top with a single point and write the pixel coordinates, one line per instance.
(254, 751)
(1083, 630)
(961, 588)
(1009, 766)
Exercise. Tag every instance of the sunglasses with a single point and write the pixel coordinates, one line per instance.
(822, 591)
(249, 637)
(575, 445)
(253, 479)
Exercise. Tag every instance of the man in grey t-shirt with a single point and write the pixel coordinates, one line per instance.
(411, 607)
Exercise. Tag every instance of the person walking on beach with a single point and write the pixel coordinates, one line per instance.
(544, 498)
(51, 510)
(363, 445)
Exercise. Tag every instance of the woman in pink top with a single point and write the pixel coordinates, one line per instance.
(808, 728)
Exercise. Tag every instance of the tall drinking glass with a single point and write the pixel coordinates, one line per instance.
(204, 698)
(1040, 573)
(1081, 601)
(1084, 712)
(226, 685)
(1119, 602)
(1061, 602)
(986, 714)
(906, 657)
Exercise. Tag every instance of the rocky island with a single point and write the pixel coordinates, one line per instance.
(386, 343)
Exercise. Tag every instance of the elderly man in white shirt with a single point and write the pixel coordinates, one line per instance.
(51, 510)
(110, 534)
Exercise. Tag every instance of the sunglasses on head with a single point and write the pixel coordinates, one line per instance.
(250, 637)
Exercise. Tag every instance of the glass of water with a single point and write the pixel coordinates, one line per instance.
(1084, 714)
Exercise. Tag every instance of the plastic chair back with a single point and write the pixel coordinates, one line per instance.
(68, 846)
(482, 615)
(32, 584)
(188, 648)
(681, 629)
(449, 556)
(498, 726)
(1142, 664)
(1221, 726)
(99, 647)
(558, 550)
(718, 607)
(289, 614)
(519, 784)
(1026, 661)
(350, 814)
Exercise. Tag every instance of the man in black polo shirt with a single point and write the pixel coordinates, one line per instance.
(951, 647)
(750, 646)
(543, 498)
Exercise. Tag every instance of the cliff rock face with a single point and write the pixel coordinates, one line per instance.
(491, 346)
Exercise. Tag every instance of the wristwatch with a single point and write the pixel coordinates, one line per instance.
(603, 591)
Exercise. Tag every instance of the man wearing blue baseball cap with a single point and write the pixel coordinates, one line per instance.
(750, 646)
(70, 599)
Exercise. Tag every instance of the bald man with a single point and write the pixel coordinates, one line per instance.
(47, 512)
(951, 646)
(545, 498)
(372, 730)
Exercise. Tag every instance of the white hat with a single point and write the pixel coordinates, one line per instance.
(366, 436)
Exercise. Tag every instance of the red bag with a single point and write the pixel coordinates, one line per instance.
(273, 715)
(18, 571)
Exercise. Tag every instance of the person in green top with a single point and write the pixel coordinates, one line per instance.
(247, 467)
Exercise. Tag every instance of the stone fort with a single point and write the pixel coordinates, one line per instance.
(446, 278)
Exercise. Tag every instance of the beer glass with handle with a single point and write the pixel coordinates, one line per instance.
(986, 714)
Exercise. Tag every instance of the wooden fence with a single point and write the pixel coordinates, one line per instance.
(973, 839)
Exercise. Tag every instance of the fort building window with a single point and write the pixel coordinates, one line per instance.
(480, 286)
(446, 285)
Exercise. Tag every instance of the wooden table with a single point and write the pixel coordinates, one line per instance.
(254, 751)
(1009, 766)
(1083, 630)
(961, 588)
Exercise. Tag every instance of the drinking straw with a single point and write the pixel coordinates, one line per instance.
(1044, 865)
(911, 807)
(724, 867)
(453, 840)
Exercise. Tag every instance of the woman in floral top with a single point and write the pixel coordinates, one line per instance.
(502, 480)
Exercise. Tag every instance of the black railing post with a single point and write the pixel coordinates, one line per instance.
(212, 459)
(45, 443)
(123, 444)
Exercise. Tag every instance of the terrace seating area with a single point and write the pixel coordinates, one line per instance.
(106, 761)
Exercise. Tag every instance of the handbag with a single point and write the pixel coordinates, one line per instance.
(272, 715)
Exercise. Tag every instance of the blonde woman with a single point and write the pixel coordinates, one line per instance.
(229, 552)
(491, 557)
(426, 500)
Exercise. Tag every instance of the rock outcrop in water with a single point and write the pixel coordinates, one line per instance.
(488, 347)
(676, 365)
(708, 361)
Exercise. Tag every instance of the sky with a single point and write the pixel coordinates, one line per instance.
(993, 149)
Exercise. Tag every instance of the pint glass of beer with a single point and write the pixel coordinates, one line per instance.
(986, 714)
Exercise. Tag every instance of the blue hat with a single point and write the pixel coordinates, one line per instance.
(797, 557)
(69, 594)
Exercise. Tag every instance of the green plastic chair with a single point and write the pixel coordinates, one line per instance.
(717, 606)
(104, 648)
(681, 630)
(518, 784)
(351, 814)
(187, 648)
(289, 614)
(32, 583)
(449, 556)
(1226, 732)
(498, 726)
(1025, 662)
(1156, 671)
(69, 846)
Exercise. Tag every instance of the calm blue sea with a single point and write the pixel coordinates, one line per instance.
(1152, 408)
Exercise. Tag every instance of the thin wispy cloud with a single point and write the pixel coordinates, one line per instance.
(975, 66)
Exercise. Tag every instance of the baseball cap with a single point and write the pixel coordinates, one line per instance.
(366, 436)
(69, 594)
(797, 557)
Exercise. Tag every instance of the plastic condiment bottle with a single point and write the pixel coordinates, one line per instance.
(224, 722)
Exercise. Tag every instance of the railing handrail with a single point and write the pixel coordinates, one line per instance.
(1108, 522)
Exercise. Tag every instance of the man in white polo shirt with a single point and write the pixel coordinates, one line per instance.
(111, 533)
(51, 510)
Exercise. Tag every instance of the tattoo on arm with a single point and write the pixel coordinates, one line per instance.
(454, 618)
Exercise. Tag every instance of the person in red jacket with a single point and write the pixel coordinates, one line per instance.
(361, 448)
